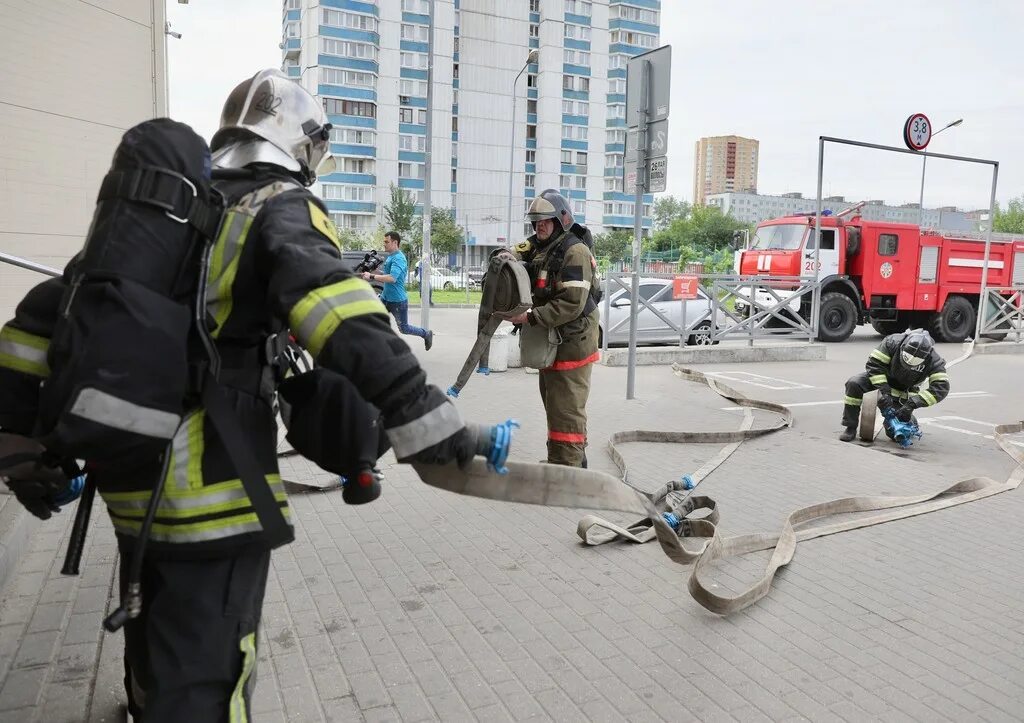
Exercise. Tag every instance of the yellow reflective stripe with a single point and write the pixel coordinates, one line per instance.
(238, 708)
(196, 531)
(939, 377)
(24, 352)
(853, 401)
(898, 393)
(320, 312)
(881, 356)
(224, 266)
(928, 397)
(190, 494)
(177, 513)
(877, 379)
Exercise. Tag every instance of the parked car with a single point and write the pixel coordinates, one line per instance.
(449, 279)
(652, 329)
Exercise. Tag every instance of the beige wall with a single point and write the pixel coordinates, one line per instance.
(75, 77)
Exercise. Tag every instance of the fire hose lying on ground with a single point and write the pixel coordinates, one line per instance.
(675, 518)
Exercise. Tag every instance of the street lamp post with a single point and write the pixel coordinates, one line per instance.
(531, 58)
(924, 165)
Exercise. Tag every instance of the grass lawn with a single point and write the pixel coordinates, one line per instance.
(447, 297)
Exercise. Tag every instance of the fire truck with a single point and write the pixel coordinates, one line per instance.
(892, 275)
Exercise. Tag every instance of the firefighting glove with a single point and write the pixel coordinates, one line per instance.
(459, 447)
(885, 403)
(35, 484)
(905, 413)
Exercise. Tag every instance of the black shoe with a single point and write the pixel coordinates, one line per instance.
(848, 434)
(428, 340)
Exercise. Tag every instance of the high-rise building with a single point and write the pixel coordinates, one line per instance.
(368, 62)
(722, 164)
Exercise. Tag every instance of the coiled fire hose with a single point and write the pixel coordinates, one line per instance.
(671, 518)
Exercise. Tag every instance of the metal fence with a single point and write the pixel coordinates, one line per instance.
(1004, 315)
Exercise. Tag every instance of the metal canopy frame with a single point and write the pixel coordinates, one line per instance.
(822, 140)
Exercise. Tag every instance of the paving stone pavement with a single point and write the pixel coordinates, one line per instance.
(430, 606)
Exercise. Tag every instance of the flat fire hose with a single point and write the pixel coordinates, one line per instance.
(553, 485)
(506, 294)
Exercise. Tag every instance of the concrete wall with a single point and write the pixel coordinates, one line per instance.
(76, 76)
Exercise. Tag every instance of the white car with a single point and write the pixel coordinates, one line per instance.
(651, 328)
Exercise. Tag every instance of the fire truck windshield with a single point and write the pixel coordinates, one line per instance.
(787, 236)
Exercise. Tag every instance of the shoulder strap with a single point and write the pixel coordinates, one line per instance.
(167, 190)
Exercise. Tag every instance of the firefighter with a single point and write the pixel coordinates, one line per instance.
(908, 373)
(562, 272)
(191, 653)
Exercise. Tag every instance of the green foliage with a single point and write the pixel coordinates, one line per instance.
(353, 240)
(398, 213)
(1012, 219)
(667, 209)
(616, 245)
(705, 230)
(446, 236)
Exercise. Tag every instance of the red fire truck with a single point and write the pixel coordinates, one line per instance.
(892, 275)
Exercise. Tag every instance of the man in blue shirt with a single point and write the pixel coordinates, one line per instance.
(394, 297)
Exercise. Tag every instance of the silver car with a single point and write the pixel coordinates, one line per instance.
(651, 328)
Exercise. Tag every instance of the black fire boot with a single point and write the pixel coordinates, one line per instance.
(848, 434)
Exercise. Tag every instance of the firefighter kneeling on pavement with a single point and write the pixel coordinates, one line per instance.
(562, 274)
(908, 374)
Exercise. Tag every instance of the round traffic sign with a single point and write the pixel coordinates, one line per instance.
(917, 132)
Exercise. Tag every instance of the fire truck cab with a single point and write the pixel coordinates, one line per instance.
(892, 275)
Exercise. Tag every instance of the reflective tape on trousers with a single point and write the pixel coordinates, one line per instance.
(106, 409)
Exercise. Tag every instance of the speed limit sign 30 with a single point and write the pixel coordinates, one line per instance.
(917, 132)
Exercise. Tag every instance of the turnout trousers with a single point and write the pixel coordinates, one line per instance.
(856, 387)
(564, 393)
(191, 654)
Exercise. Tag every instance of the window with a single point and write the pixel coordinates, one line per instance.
(531, 106)
(336, 106)
(617, 85)
(531, 131)
(410, 170)
(455, 96)
(415, 143)
(353, 136)
(828, 240)
(639, 15)
(454, 176)
(354, 221)
(455, 150)
(566, 156)
(455, 71)
(579, 207)
(405, 115)
(456, 43)
(416, 33)
(576, 57)
(577, 32)
(534, 30)
(613, 184)
(455, 124)
(614, 160)
(348, 49)
(617, 110)
(531, 156)
(414, 60)
(579, 181)
(291, 30)
(339, 192)
(616, 61)
(336, 76)
(642, 40)
(293, 4)
(578, 7)
(416, 88)
(415, 6)
(578, 133)
(581, 158)
(531, 80)
(565, 181)
(615, 136)
(888, 244)
(338, 19)
(534, 6)
(355, 165)
(583, 84)
(530, 180)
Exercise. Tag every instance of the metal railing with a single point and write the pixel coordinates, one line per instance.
(1003, 313)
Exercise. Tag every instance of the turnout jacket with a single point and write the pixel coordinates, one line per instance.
(923, 386)
(276, 267)
(562, 275)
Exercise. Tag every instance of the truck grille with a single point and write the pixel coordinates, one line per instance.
(929, 264)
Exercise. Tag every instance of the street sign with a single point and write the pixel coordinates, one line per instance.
(917, 132)
(657, 174)
(658, 93)
(657, 139)
(684, 287)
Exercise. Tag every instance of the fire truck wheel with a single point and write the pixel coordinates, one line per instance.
(955, 322)
(838, 317)
(885, 327)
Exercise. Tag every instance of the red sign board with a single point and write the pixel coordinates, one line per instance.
(684, 287)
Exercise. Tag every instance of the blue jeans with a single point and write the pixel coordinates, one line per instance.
(400, 310)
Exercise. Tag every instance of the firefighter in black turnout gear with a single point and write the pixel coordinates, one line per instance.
(276, 266)
(563, 276)
(908, 374)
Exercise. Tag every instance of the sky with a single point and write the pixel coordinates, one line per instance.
(782, 71)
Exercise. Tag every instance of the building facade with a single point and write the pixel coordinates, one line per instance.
(61, 118)
(368, 62)
(753, 208)
(724, 164)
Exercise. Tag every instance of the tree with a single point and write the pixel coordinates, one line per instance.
(398, 213)
(615, 245)
(667, 209)
(351, 240)
(446, 236)
(1012, 219)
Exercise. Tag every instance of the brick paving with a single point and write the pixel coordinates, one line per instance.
(430, 606)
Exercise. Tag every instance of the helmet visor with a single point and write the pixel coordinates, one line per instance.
(910, 360)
